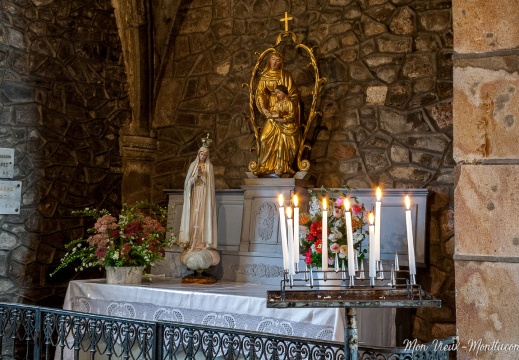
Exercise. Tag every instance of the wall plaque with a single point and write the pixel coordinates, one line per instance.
(10, 196)
(6, 163)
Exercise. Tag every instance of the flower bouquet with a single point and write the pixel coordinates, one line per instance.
(310, 229)
(131, 240)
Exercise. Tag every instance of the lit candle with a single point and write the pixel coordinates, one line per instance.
(410, 239)
(372, 270)
(296, 231)
(283, 229)
(290, 241)
(378, 206)
(349, 238)
(324, 244)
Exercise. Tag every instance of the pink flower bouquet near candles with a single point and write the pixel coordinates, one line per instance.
(310, 228)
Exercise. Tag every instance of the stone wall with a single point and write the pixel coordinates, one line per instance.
(63, 99)
(386, 113)
(486, 151)
(386, 107)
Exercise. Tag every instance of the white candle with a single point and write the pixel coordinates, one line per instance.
(378, 216)
(324, 244)
(410, 239)
(283, 229)
(397, 266)
(290, 241)
(296, 230)
(372, 270)
(349, 238)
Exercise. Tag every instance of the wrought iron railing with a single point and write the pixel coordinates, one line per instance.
(30, 332)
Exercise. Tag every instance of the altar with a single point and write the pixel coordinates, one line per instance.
(252, 258)
(226, 304)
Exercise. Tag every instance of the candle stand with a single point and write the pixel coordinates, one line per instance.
(316, 289)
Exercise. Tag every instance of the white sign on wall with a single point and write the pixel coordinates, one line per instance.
(10, 196)
(6, 163)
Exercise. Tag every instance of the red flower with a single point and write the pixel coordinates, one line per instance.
(319, 246)
(316, 229)
(132, 229)
(101, 252)
(126, 249)
(114, 233)
(308, 257)
(356, 209)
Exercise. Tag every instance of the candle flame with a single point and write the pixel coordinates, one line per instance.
(325, 206)
(281, 200)
(295, 200)
(346, 204)
(407, 202)
(379, 193)
(371, 218)
(289, 212)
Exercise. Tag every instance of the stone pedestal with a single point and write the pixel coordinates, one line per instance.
(260, 226)
(260, 257)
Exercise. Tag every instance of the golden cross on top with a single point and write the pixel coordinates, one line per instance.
(286, 19)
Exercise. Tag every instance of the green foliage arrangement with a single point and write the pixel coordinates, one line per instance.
(132, 239)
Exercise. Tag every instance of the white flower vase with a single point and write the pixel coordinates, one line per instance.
(124, 275)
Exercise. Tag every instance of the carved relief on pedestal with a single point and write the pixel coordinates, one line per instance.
(265, 221)
(258, 270)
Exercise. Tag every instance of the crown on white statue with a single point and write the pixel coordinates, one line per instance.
(206, 141)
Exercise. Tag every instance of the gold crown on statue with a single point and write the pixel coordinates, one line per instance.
(206, 141)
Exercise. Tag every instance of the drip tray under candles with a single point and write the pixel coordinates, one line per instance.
(407, 296)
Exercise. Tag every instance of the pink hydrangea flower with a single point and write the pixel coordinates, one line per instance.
(104, 223)
(98, 240)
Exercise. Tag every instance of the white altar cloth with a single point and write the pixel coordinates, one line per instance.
(224, 304)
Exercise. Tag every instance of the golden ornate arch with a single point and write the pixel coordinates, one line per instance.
(302, 164)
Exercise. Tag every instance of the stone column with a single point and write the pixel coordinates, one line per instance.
(138, 154)
(136, 141)
(486, 104)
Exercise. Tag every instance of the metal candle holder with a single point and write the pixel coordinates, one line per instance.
(351, 292)
(308, 277)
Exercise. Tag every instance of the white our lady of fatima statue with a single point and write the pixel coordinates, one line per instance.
(198, 233)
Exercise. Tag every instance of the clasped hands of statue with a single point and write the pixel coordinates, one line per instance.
(198, 177)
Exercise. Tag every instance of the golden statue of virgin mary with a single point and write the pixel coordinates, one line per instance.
(281, 133)
(281, 139)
